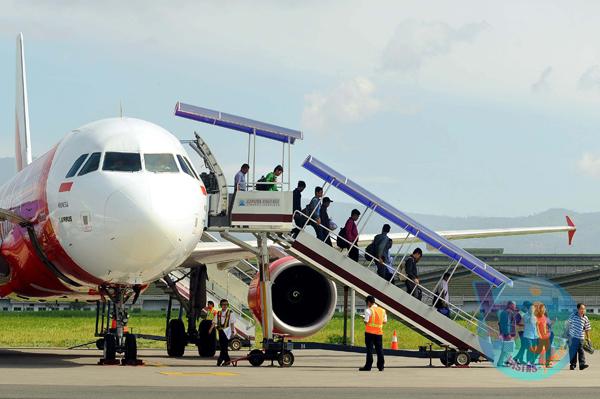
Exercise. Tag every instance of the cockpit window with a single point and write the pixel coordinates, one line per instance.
(122, 162)
(91, 164)
(191, 168)
(185, 167)
(76, 165)
(160, 163)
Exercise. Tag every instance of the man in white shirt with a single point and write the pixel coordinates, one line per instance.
(224, 322)
(239, 180)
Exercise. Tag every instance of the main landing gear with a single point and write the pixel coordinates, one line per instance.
(115, 337)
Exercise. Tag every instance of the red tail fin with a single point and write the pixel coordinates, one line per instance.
(572, 231)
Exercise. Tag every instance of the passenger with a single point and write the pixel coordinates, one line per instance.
(578, 327)
(412, 274)
(313, 211)
(441, 303)
(326, 222)
(239, 180)
(524, 342)
(272, 178)
(531, 335)
(374, 317)
(299, 220)
(224, 323)
(544, 350)
(351, 234)
(508, 331)
(381, 250)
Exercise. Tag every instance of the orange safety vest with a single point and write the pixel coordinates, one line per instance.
(375, 324)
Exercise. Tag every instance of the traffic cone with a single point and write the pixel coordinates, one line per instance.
(394, 341)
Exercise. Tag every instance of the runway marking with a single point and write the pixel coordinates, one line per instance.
(195, 374)
(154, 364)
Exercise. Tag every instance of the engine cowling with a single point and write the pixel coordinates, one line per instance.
(303, 299)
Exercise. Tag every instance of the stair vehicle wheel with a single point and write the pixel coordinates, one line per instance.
(110, 347)
(448, 358)
(130, 347)
(462, 359)
(285, 359)
(176, 338)
(256, 357)
(235, 344)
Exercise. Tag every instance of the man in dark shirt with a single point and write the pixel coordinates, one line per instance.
(410, 265)
(325, 221)
(381, 247)
(297, 206)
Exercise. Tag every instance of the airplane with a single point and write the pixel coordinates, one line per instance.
(116, 205)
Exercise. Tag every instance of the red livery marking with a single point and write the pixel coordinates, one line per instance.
(65, 187)
(203, 190)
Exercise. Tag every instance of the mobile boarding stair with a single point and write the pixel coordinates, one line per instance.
(465, 340)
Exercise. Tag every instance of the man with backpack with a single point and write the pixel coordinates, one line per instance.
(313, 211)
(271, 178)
(412, 274)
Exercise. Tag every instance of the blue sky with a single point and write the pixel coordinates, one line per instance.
(479, 108)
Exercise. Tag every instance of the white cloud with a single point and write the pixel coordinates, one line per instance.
(589, 164)
(590, 79)
(416, 41)
(349, 102)
(542, 84)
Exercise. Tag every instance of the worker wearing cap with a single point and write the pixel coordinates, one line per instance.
(375, 317)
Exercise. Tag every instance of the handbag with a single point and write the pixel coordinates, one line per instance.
(588, 347)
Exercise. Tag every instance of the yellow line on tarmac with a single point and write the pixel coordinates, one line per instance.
(194, 374)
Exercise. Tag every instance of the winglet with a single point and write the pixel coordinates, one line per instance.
(572, 229)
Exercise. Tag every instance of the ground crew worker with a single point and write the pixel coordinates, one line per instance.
(224, 322)
(209, 312)
(375, 317)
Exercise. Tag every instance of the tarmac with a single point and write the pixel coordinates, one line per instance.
(66, 374)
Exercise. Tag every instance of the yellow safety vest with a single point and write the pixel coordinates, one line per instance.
(375, 324)
(210, 314)
(227, 317)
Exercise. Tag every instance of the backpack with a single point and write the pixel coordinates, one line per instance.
(262, 187)
(341, 239)
(369, 252)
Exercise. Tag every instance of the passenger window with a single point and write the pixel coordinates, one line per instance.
(160, 163)
(76, 166)
(184, 166)
(91, 164)
(122, 162)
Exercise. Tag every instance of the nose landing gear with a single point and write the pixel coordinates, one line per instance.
(116, 338)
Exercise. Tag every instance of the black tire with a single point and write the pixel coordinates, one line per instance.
(235, 344)
(110, 347)
(256, 357)
(462, 359)
(207, 343)
(285, 359)
(130, 347)
(100, 344)
(448, 358)
(176, 338)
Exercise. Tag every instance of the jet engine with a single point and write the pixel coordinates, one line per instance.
(303, 299)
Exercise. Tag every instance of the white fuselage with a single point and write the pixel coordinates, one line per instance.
(122, 223)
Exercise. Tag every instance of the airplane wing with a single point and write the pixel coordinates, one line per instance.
(398, 238)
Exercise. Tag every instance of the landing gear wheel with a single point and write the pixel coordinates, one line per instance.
(285, 359)
(130, 350)
(100, 344)
(462, 359)
(110, 348)
(235, 344)
(176, 338)
(448, 358)
(207, 343)
(256, 357)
